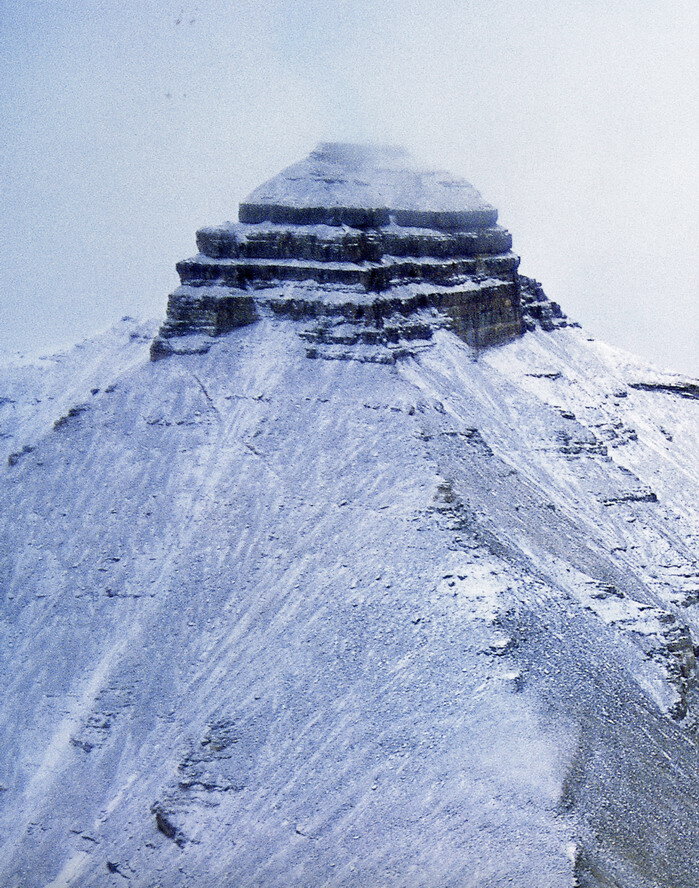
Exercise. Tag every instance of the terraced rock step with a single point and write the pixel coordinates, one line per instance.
(327, 243)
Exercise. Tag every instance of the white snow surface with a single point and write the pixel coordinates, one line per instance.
(273, 621)
(378, 176)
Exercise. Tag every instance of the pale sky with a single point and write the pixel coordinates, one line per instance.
(128, 124)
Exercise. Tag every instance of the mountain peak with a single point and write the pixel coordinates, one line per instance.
(364, 249)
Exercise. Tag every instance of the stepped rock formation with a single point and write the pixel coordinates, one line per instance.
(421, 617)
(371, 252)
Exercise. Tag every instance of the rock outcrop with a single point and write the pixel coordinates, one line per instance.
(366, 251)
(538, 310)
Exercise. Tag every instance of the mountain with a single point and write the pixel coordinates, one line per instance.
(369, 568)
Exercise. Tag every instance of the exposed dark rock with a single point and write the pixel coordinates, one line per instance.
(683, 388)
(633, 496)
(583, 442)
(109, 705)
(73, 412)
(552, 374)
(215, 764)
(165, 825)
(538, 310)
(15, 457)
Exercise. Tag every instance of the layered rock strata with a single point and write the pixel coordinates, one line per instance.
(538, 310)
(367, 251)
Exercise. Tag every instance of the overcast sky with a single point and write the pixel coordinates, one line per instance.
(130, 123)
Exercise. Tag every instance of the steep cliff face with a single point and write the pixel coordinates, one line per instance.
(368, 251)
(276, 621)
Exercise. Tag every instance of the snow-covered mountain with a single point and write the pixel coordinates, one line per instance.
(381, 574)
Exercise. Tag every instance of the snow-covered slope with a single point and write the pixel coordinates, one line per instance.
(380, 573)
(275, 621)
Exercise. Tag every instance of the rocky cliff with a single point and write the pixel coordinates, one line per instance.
(422, 617)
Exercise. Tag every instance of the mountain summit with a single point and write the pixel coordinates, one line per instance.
(340, 182)
(368, 569)
(372, 251)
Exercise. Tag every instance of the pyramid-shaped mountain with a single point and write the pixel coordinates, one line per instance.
(368, 570)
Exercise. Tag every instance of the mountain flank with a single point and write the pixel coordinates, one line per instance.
(366, 567)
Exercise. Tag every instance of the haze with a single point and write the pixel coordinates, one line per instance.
(130, 123)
